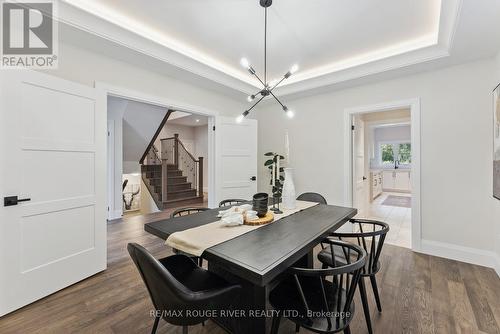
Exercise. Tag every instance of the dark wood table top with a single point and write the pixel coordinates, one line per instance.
(262, 254)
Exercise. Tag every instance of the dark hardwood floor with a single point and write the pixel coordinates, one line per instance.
(420, 294)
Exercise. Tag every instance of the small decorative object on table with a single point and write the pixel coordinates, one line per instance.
(273, 164)
(268, 217)
(260, 203)
(289, 196)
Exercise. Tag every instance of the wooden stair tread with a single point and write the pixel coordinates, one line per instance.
(179, 191)
(182, 199)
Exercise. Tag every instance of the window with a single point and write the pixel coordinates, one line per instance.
(405, 153)
(389, 152)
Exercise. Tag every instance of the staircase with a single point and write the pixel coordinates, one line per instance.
(173, 177)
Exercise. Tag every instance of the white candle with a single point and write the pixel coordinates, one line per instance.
(273, 173)
(287, 148)
(278, 167)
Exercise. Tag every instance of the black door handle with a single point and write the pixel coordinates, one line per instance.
(364, 178)
(13, 200)
(253, 178)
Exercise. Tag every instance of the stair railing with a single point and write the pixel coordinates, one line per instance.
(173, 152)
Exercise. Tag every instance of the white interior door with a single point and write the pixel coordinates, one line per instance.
(236, 152)
(53, 144)
(360, 181)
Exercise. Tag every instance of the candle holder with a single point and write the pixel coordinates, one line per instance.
(274, 208)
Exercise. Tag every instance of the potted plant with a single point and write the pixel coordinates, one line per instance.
(276, 174)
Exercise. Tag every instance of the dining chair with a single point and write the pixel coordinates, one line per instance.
(233, 201)
(312, 197)
(311, 300)
(370, 235)
(180, 290)
(185, 212)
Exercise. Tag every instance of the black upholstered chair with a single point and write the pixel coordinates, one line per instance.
(321, 305)
(370, 235)
(185, 212)
(232, 201)
(177, 286)
(312, 197)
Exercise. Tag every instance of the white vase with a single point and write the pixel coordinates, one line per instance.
(288, 193)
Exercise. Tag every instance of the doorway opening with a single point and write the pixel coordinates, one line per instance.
(159, 158)
(384, 170)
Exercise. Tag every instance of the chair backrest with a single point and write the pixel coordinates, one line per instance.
(370, 234)
(231, 201)
(186, 211)
(312, 197)
(165, 291)
(345, 277)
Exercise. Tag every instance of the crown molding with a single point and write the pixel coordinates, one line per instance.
(411, 53)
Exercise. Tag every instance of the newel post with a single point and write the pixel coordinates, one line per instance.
(176, 150)
(200, 176)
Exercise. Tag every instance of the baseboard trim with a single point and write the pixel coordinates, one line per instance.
(497, 267)
(461, 253)
(115, 214)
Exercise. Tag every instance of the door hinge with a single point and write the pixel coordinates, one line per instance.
(108, 208)
(352, 127)
(108, 133)
(213, 128)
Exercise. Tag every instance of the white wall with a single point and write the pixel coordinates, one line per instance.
(86, 67)
(457, 204)
(393, 133)
(186, 133)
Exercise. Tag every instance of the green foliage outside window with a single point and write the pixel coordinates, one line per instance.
(387, 154)
(405, 153)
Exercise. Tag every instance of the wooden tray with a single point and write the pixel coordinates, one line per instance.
(269, 217)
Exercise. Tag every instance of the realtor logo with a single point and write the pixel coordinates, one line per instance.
(29, 34)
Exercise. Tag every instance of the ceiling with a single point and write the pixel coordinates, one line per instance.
(188, 119)
(332, 41)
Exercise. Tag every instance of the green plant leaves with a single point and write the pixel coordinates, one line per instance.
(268, 162)
(269, 154)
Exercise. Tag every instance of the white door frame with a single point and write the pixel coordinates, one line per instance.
(414, 105)
(126, 93)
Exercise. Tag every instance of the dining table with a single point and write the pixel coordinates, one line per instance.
(259, 259)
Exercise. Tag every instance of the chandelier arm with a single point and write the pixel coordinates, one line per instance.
(256, 103)
(255, 74)
(277, 84)
(277, 99)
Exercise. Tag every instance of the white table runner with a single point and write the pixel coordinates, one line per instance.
(195, 240)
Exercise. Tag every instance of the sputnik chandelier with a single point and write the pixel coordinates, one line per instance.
(268, 87)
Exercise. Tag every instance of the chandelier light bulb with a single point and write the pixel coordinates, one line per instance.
(240, 118)
(288, 112)
(294, 68)
(250, 98)
(244, 62)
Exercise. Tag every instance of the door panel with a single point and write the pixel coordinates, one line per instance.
(237, 158)
(360, 193)
(53, 143)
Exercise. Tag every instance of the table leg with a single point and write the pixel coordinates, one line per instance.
(252, 304)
